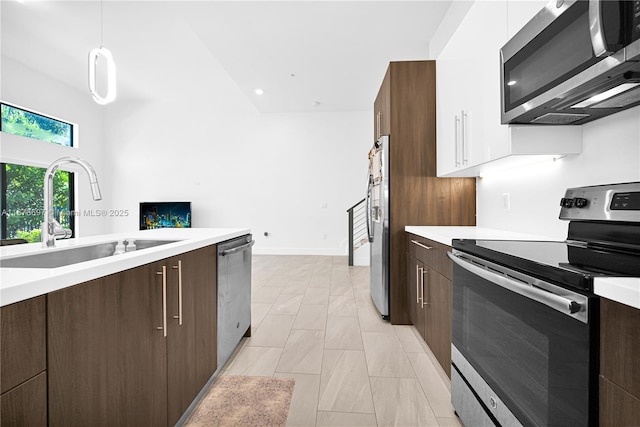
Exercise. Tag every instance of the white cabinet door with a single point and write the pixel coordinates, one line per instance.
(468, 80)
(449, 99)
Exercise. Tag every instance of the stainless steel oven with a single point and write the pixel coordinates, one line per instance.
(574, 62)
(526, 344)
(525, 338)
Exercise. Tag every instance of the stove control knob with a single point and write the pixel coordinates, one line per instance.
(566, 203)
(580, 202)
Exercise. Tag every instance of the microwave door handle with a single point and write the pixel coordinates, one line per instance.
(596, 29)
(547, 298)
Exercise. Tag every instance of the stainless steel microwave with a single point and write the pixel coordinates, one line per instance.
(574, 62)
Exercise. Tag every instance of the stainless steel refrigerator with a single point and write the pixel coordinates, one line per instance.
(377, 208)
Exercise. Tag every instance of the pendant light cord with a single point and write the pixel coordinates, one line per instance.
(101, 26)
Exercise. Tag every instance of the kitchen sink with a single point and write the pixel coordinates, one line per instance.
(62, 257)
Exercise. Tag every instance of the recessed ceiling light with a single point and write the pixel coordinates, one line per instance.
(511, 83)
(259, 91)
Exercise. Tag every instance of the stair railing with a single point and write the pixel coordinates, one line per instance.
(357, 228)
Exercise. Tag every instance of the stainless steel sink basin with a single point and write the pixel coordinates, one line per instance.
(62, 257)
(145, 243)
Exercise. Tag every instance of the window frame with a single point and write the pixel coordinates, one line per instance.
(72, 126)
(3, 198)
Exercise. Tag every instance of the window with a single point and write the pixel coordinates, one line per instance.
(21, 122)
(23, 201)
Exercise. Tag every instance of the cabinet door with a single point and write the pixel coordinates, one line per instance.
(618, 407)
(382, 108)
(22, 341)
(469, 81)
(82, 353)
(26, 404)
(107, 357)
(415, 279)
(205, 276)
(451, 87)
(191, 346)
(141, 357)
(180, 336)
(438, 318)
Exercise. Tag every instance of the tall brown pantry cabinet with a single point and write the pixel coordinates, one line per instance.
(405, 109)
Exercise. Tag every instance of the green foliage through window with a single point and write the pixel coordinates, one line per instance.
(23, 200)
(25, 123)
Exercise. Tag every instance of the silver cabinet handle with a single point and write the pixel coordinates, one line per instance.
(421, 245)
(379, 131)
(179, 268)
(548, 298)
(463, 136)
(456, 122)
(164, 300)
(417, 285)
(424, 271)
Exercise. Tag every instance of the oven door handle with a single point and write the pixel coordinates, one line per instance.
(545, 297)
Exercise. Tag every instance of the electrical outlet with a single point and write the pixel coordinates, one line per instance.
(506, 201)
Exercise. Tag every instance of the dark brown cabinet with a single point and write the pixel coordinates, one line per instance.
(136, 347)
(405, 109)
(619, 364)
(430, 295)
(23, 363)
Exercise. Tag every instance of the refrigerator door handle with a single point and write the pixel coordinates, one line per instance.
(368, 209)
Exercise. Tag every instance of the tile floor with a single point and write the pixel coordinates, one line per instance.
(313, 319)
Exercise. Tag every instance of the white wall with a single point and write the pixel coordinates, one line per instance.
(610, 154)
(203, 141)
(269, 172)
(37, 92)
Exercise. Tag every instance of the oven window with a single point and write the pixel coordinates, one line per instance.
(535, 358)
(507, 347)
(559, 52)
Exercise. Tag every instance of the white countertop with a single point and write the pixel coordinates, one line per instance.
(17, 284)
(445, 234)
(625, 290)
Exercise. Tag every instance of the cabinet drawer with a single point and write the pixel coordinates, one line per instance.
(420, 248)
(441, 262)
(22, 341)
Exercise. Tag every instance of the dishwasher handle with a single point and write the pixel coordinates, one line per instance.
(237, 249)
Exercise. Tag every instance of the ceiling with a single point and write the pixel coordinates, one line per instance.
(305, 55)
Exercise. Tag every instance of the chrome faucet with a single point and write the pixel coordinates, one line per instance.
(51, 229)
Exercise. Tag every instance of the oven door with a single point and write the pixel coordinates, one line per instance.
(533, 344)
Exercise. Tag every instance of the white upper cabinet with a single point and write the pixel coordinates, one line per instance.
(469, 133)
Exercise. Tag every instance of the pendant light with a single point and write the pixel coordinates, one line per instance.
(94, 56)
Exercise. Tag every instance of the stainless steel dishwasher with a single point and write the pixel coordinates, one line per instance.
(234, 294)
